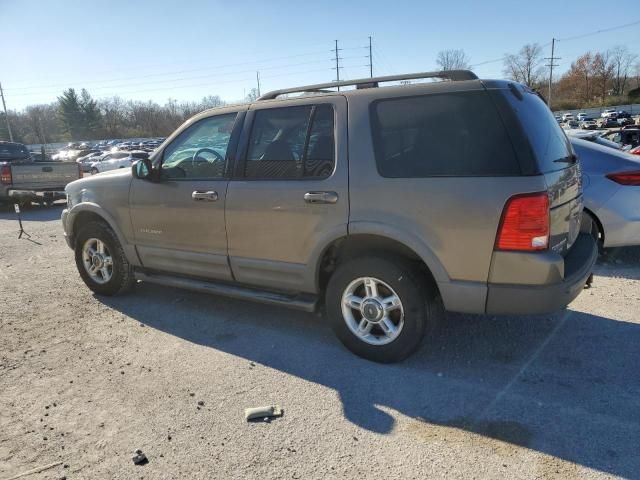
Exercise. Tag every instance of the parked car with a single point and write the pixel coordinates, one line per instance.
(588, 124)
(116, 160)
(624, 121)
(623, 114)
(380, 211)
(608, 122)
(595, 137)
(611, 193)
(609, 113)
(24, 181)
(572, 123)
(624, 137)
(567, 116)
(86, 161)
(581, 116)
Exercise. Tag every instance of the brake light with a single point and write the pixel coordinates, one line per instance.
(5, 174)
(626, 178)
(635, 151)
(525, 223)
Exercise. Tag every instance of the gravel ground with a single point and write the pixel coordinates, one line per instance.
(86, 380)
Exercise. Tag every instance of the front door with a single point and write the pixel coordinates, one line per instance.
(289, 197)
(178, 221)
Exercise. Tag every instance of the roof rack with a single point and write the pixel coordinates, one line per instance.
(453, 75)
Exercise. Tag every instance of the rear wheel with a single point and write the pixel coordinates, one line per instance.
(94, 170)
(101, 261)
(378, 308)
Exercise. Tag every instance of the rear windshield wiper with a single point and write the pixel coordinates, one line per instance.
(568, 159)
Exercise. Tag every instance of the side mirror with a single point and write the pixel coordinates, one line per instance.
(142, 169)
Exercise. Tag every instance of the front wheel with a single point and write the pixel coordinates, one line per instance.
(101, 261)
(94, 170)
(379, 308)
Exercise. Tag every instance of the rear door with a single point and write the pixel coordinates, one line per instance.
(289, 197)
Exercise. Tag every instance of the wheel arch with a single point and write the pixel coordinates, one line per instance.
(361, 244)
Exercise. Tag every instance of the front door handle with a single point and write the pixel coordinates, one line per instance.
(321, 197)
(205, 196)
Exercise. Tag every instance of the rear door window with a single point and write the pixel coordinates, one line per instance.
(450, 134)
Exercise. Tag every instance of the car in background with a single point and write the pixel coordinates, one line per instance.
(609, 113)
(567, 116)
(588, 123)
(86, 161)
(115, 160)
(611, 195)
(608, 122)
(558, 118)
(581, 116)
(625, 137)
(624, 121)
(623, 114)
(571, 123)
(593, 136)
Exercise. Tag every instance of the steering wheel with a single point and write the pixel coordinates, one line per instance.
(194, 160)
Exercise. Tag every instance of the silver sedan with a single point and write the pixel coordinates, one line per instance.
(611, 192)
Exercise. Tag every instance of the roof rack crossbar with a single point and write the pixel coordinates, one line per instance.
(453, 75)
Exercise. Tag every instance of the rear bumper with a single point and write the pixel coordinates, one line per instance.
(570, 274)
(36, 195)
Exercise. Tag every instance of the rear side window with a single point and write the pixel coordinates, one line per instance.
(451, 134)
(547, 139)
(291, 143)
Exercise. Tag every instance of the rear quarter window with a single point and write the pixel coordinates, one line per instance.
(548, 142)
(449, 134)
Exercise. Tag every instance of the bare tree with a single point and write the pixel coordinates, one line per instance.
(525, 66)
(453, 60)
(622, 61)
(603, 71)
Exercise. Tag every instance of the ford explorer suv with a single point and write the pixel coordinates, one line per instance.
(22, 180)
(381, 202)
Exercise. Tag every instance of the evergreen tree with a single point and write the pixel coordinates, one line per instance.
(71, 115)
(91, 115)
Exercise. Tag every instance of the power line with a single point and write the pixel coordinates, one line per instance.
(337, 67)
(596, 32)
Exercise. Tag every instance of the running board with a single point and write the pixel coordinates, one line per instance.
(301, 301)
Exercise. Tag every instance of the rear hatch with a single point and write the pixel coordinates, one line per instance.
(543, 148)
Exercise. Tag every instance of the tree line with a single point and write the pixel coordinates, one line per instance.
(608, 77)
(594, 79)
(77, 117)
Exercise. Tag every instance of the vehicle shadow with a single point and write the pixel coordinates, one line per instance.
(565, 385)
(33, 213)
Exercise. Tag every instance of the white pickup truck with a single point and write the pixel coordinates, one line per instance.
(24, 181)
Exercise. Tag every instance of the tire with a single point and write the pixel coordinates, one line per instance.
(403, 280)
(94, 170)
(121, 279)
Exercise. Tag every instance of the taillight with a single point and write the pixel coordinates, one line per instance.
(635, 151)
(626, 178)
(5, 174)
(525, 223)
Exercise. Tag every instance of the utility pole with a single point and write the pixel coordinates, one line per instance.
(6, 116)
(551, 65)
(370, 59)
(258, 79)
(337, 67)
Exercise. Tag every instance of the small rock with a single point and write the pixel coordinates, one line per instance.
(191, 394)
(201, 403)
(169, 437)
(139, 458)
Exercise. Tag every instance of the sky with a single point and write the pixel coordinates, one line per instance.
(188, 49)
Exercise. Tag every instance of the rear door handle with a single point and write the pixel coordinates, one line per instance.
(321, 197)
(205, 196)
